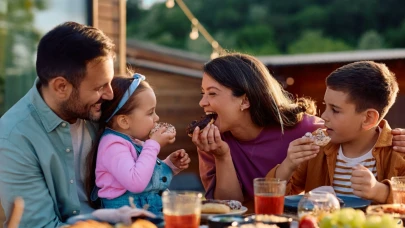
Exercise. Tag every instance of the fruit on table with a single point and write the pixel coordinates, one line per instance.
(351, 218)
(308, 221)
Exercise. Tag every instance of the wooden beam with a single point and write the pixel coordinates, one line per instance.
(95, 13)
(123, 36)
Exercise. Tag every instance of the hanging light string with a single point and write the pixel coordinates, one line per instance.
(197, 27)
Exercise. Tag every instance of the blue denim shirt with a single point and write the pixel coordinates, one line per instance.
(37, 163)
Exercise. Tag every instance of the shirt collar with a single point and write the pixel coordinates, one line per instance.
(384, 140)
(48, 118)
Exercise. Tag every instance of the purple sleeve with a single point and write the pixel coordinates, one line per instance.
(207, 173)
(131, 172)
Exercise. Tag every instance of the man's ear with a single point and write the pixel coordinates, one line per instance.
(371, 118)
(60, 87)
(122, 121)
(245, 103)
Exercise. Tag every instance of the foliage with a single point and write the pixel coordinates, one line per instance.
(265, 27)
(314, 41)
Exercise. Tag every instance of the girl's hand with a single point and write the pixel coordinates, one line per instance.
(300, 150)
(210, 141)
(180, 159)
(162, 137)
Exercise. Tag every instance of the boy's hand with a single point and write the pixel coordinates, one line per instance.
(300, 150)
(398, 141)
(365, 185)
(162, 137)
(180, 159)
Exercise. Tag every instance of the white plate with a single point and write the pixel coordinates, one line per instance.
(242, 210)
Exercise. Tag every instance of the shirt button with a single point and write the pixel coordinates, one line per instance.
(74, 212)
(164, 179)
(63, 124)
(71, 181)
(67, 150)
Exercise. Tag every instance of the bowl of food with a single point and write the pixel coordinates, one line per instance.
(221, 221)
(221, 207)
(280, 221)
(395, 210)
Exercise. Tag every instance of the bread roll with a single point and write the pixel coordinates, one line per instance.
(215, 208)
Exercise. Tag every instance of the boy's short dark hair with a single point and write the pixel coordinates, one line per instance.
(66, 50)
(368, 84)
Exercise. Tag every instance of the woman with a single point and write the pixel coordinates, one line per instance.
(256, 121)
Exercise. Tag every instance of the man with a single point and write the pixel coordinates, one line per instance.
(45, 136)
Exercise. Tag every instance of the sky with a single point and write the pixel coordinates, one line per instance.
(148, 3)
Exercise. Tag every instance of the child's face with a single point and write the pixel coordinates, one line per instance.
(342, 121)
(143, 118)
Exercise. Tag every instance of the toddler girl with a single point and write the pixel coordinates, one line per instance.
(126, 164)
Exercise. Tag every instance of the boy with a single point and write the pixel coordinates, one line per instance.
(359, 160)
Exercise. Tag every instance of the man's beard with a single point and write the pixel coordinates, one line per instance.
(74, 109)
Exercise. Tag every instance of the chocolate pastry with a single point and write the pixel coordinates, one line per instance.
(202, 123)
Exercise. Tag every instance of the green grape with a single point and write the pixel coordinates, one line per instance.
(358, 219)
(327, 221)
(346, 215)
(373, 221)
(388, 221)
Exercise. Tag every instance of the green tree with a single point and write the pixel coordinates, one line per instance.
(314, 41)
(248, 38)
(371, 40)
(396, 36)
(18, 39)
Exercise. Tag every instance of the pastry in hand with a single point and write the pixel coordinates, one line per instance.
(209, 118)
(320, 137)
(169, 128)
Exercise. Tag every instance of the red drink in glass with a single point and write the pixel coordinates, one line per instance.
(269, 195)
(186, 221)
(268, 204)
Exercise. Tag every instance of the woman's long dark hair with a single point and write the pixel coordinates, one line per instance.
(270, 104)
(119, 84)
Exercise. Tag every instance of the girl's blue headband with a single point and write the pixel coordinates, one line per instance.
(135, 83)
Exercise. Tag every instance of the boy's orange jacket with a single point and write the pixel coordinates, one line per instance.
(319, 171)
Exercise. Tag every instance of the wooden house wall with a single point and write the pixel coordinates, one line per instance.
(110, 17)
(309, 80)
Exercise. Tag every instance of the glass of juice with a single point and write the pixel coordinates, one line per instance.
(269, 195)
(181, 209)
(398, 189)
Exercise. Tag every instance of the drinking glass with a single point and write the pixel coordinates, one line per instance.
(181, 209)
(398, 189)
(318, 204)
(269, 195)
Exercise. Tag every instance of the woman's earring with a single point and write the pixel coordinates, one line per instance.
(241, 109)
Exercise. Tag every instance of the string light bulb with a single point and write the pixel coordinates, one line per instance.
(170, 4)
(214, 54)
(194, 33)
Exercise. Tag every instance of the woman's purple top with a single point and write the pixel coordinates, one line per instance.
(255, 158)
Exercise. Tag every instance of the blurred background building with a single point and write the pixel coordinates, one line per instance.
(300, 41)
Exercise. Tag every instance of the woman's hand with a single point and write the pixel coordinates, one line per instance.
(210, 141)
